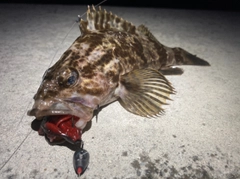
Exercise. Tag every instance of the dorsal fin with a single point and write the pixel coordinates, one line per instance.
(98, 20)
(142, 30)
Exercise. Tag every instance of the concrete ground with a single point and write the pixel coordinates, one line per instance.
(198, 136)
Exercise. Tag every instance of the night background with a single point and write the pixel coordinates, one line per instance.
(231, 5)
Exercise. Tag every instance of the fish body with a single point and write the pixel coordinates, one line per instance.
(111, 60)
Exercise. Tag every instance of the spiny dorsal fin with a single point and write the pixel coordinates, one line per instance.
(102, 20)
(142, 30)
(143, 92)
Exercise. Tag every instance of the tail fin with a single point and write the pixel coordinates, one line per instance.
(175, 56)
(182, 57)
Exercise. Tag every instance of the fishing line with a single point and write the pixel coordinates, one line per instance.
(28, 134)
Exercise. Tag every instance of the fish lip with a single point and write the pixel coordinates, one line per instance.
(39, 114)
(59, 107)
(56, 106)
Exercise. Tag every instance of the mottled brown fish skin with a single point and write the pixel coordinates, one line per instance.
(91, 70)
(102, 55)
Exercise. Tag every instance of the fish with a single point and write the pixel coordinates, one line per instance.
(112, 60)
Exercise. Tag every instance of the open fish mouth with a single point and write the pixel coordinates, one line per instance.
(60, 128)
(61, 122)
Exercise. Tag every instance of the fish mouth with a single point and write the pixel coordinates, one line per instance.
(61, 122)
(60, 128)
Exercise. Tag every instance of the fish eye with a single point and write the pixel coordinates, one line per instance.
(72, 79)
(67, 77)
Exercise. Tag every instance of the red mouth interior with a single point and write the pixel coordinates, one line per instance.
(61, 127)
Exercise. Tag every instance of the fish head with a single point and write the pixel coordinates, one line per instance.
(69, 93)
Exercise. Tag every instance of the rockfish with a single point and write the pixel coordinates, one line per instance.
(112, 60)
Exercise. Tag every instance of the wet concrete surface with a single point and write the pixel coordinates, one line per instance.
(197, 137)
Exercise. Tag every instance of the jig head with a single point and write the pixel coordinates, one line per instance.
(80, 160)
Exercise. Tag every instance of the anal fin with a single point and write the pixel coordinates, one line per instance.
(143, 92)
(172, 71)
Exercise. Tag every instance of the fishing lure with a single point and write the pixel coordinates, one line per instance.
(81, 159)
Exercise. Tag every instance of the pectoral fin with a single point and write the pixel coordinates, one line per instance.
(143, 92)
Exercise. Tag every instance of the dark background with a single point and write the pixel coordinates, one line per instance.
(226, 5)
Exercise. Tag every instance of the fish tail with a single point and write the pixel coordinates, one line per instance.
(178, 56)
(170, 56)
(182, 57)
